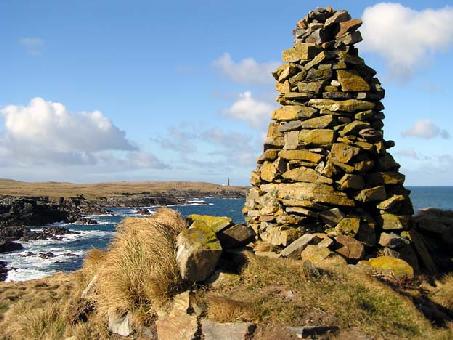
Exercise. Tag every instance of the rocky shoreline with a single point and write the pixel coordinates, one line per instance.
(18, 215)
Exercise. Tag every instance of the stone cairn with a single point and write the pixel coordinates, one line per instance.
(325, 173)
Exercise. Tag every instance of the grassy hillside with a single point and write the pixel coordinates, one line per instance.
(63, 189)
(139, 274)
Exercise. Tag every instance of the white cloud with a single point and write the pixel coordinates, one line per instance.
(406, 37)
(255, 112)
(426, 129)
(32, 45)
(247, 71)
(44, 133)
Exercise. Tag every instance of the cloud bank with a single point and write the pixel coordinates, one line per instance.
(426, 129)
(247, 71)
(405, 37)
(255, 112)
(45, 133)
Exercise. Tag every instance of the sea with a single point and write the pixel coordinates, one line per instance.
(35, 260)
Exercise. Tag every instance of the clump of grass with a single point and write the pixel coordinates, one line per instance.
(140, 267)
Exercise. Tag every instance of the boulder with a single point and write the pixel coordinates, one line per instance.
(9, 246)
(295, 248)
(213, 223)
(391, 265)
(279, 236)
(236, 236)
(181, 327)
(198, 251)
(212, 330)
(350, 247)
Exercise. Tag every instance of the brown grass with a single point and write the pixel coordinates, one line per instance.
(140, 268)
(61, 189)
(284, 292)
(443, 294)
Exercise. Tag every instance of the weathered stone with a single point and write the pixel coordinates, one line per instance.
(348, 26)
(391, 240)
(280, 236)
(319, 74)
(314, 86)
(292, 112)
(354, 182)
(119, 323)
(343, 153)
(320, 193)
(284, 87)
(351, 105)
(301, 211)
(300, 51)
(295, 249)
(352, 81)
(212, 330)
(317, 137)
(290, 126)
(387, 178)
(373, 194)
(182, 327)
(236, 236)
(268, 172)
(291, 140)
(306, 175)
(353, 128)
(393, 203)
(317, 122)
(270, 155)
(339, 16)
(391, 265)
(350, 247)
(394, 222)
(214, 223)
(302, 155)
(198, 251)
(331, 217)
(348, 226)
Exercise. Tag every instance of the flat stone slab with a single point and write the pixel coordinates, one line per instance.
(212, 330)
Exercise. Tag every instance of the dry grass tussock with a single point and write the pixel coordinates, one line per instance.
(140, 268)
(137, 273)
(284, 292)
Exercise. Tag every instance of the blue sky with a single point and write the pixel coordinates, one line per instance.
(181, 90)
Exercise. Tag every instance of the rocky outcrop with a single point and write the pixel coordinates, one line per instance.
(200, 246)
(326, 166)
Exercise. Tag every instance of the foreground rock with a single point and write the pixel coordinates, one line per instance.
(326, 168)
(200, 246)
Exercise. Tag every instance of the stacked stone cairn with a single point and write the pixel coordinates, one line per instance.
(325, 175)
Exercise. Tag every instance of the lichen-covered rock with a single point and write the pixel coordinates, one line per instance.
(198, 251)
(213, 223)
(391, 265)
